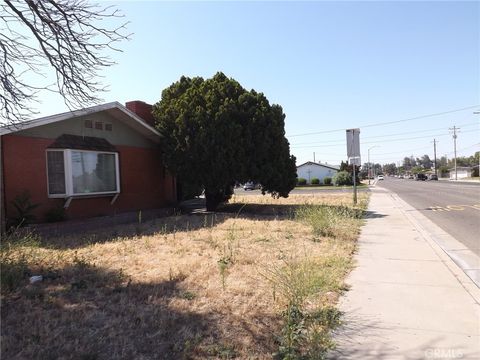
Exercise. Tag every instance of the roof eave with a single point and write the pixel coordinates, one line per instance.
(138, 124)
(322, 165)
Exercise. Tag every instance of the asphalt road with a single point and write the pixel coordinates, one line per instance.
(454, 207)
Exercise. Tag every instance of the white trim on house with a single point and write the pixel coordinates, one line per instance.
(319, 164)
(114, 108)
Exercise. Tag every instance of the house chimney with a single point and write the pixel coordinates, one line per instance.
(143, 110)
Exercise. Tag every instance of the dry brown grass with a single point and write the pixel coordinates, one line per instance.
(190, 286)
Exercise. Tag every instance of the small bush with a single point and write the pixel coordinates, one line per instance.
(24, 207)
(315, 181)
(342, 178)
(301, 181)
(327, 180)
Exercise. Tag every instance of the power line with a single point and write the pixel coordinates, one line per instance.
(381, 156)
(418, 154)
(381, 141)
(390, 159)
(388, 122)
(465, 148)
(382, 136)
(403, 152)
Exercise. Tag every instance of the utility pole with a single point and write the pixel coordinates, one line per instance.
(455, 147)
(477, 113)
(354, 184)
(435, 155)
(314, 156)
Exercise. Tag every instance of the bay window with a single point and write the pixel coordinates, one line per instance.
(82, 172)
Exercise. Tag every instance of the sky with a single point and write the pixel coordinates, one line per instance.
(330, 65)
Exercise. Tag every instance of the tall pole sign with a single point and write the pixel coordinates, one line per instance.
(353, 154)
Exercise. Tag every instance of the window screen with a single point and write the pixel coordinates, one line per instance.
(56, 172)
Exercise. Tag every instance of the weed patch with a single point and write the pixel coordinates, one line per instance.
(331, 221)
(18, 256)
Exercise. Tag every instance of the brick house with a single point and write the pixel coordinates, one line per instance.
(97, 161)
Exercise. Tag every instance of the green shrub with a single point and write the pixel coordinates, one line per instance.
(327, 180)
(301, 181)
(315, 181)
(342, 178)
(24, 208)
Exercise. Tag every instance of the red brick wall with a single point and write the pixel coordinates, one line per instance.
(143, 183)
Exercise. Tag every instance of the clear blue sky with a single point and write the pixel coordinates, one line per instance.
(330, 65)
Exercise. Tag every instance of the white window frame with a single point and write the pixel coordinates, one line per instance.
(67, 163)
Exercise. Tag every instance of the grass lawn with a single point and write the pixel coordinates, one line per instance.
(260, 279)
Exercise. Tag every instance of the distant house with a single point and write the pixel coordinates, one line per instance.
(96, 161)
(462, 173)
(311, 170)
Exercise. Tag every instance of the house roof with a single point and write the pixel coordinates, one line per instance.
(115, 109)
(319, 164)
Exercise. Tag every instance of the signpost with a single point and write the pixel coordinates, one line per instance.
(353, 154)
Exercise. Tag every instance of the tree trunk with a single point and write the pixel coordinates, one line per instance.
(218, 196)
(213, 199)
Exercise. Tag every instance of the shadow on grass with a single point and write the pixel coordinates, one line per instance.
(156, 227)
(87, 312)
(165, 225)
(283, 211)
(187, 222)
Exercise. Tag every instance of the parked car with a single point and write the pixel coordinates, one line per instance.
(420, 177)
(411, 176)
(433, 177)
(249, 185)
(380, 177)
(401, 177)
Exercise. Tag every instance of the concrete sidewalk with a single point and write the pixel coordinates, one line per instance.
(408, 299)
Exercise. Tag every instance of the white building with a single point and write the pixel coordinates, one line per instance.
(311, 170)
(462, 173)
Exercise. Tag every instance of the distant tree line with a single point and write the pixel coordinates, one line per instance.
(421, 164)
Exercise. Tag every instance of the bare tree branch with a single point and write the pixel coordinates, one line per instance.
(67, 37)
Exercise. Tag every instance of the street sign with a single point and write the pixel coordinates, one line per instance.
(353, 154)
(353, 143)
(356, 160)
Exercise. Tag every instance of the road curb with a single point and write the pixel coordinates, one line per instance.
(462, 263)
